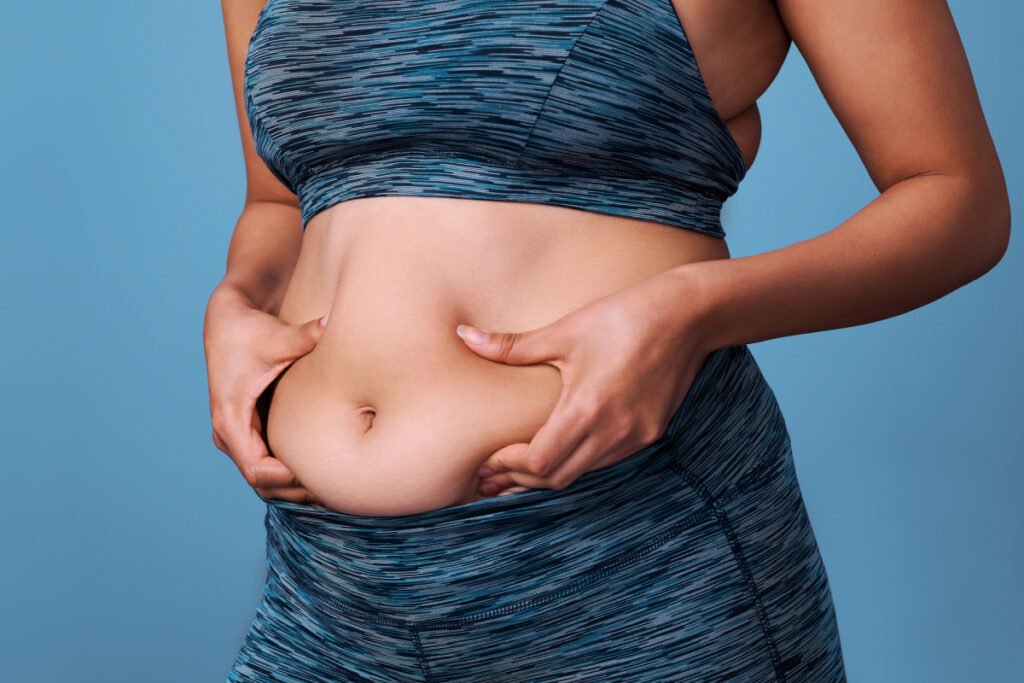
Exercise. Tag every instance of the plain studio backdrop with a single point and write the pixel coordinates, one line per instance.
(132, 549)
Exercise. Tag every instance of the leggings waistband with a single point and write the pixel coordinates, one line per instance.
(500, 554)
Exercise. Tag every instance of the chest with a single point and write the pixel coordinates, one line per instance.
(518, 80)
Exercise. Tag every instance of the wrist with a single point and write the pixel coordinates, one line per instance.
(695, 285)
(238, 294)
(230, 292)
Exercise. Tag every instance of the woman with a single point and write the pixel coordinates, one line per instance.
(602, 488)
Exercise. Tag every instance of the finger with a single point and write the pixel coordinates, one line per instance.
(272, 473)
(219, 442)
(567, 426)
(588, 455)
(581, 460)
(256, 464)
(495, 462)
(227, 423)
(298, 340)
(296, 494)
(514, 489)
(267, 470)
(251, 455)
(239, 437)
(513, 478)
(492, 485)
(516, 348)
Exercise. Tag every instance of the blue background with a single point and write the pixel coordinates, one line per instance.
(133, 549)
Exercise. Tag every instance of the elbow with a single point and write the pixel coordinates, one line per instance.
(994, 232)
(985, 221)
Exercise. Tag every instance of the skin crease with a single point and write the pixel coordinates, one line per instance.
(599, 322)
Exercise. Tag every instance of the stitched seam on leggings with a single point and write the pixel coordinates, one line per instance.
(420, 655)
(620, 562)
(730, 533)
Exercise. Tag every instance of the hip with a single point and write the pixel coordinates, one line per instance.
(693, 558)
(727, 437)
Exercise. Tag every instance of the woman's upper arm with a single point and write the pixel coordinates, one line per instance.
(897, 78)
(239, 23)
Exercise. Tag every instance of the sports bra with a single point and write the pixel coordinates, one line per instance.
(590, 104)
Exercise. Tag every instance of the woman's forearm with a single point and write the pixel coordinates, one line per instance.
(920, 239)
(262, 255)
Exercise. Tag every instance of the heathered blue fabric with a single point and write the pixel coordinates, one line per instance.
(597, 105)
(691, 560)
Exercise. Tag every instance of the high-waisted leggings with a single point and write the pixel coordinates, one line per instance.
(693, 559)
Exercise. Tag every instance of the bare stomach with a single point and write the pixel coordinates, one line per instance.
(392, 413)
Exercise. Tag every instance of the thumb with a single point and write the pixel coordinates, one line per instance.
(303, 338)
(516, 348)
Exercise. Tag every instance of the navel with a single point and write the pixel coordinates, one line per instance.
(367, 413)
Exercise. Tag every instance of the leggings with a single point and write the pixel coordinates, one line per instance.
(693, 559)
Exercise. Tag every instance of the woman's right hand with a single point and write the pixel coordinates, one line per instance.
(247, 349)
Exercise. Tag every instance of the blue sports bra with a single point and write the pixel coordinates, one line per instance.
(590, 104)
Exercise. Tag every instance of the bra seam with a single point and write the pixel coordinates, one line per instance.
(558, 74)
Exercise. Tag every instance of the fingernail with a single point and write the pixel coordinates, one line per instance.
(323, 320)
(485, 471)
(472, 334)
(489, 488)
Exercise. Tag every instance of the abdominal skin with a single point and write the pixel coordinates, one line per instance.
(410, 437)
(392, 412)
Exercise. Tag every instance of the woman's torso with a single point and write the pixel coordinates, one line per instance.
(392, 413)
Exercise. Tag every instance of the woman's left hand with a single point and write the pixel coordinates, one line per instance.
(627, 361)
